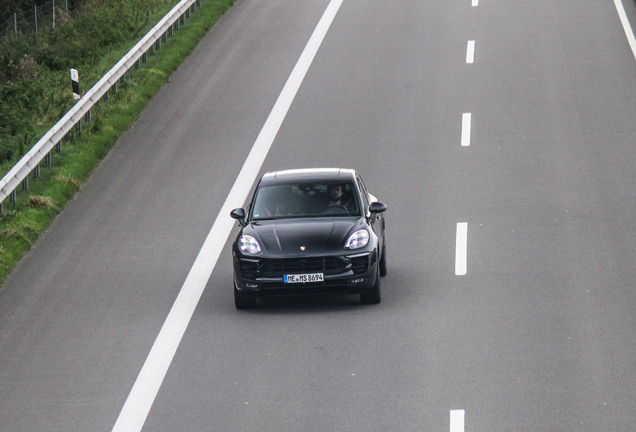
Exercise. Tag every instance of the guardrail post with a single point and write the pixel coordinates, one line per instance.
(25, 183)
(187, 13)
(36, 172)
(1, 208)
(78, 126)
(12, 197)
(87, 116)
(58, 147)
(182, 19)
(47, 159)
(164, 37)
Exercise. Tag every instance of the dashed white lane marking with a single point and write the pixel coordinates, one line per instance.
(461, 249)
(457, 420)
(466, 125)
(470, 51)
(475, 3)
(627, 28)
(137, 406)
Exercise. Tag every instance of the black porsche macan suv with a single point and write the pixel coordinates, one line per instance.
(309, 231)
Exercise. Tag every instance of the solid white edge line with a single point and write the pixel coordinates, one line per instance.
(470, 51)
(457, 419)
(139, 402)
(466, 125)
(461, 249)
(627, 28)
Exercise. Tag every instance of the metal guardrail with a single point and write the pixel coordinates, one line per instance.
(43, 148)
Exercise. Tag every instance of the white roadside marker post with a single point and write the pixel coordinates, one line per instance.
(75, 83)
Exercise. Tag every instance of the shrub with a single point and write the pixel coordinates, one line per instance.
(38, 201)
(67, 180)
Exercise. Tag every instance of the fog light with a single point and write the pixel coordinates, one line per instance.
(355, 281)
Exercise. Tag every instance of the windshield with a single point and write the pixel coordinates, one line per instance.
(305, 200)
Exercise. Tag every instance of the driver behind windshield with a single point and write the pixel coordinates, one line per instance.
(339, 198)
(304, 200)
(335, 195)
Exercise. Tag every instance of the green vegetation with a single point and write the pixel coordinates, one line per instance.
(35, 92)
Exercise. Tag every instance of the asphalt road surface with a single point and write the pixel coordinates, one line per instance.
(501, 135)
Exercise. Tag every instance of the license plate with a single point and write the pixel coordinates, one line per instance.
(304, 278)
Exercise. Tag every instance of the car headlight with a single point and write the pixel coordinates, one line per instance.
(358, 239)
(248, 244)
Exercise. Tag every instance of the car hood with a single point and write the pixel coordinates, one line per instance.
(316, 236)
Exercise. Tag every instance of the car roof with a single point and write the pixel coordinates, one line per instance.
(308, 174)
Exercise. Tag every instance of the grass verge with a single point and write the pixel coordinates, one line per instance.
(24, 222)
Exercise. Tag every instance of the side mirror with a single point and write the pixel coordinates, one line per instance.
(377, 207)
(238, 214)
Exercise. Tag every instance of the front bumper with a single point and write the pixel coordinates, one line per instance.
(257, 277)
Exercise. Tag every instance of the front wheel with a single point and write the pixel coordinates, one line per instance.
(373, 297)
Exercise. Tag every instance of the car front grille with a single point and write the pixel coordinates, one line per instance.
(360, 264)
(330, 265)
(249, 268)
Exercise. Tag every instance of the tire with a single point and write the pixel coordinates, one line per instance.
(373, 297)
(242, 302)
(383, 267)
